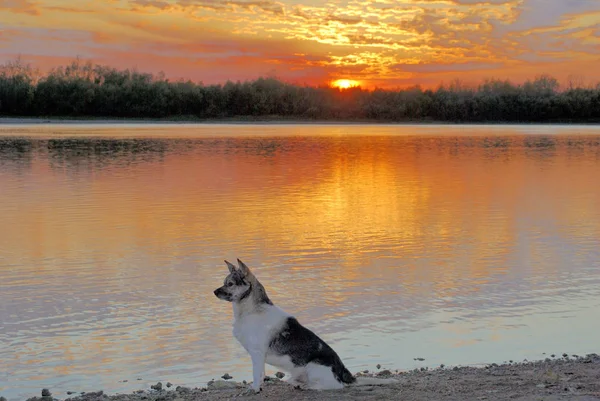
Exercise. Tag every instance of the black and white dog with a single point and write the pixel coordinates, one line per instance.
(273, 336)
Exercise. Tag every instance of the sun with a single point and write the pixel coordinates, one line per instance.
(345, 83)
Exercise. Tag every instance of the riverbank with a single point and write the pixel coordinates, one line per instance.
(276, 120)
(556, 378)
(195, 120)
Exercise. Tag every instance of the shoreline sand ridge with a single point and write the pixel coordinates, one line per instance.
(551, 379)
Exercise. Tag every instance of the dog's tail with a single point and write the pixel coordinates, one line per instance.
(372, 381)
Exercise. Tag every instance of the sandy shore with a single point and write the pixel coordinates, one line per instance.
(171, 121)
(264, 120)
(558, 378)
(41, 120)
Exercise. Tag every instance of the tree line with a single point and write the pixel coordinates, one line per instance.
(86, 90)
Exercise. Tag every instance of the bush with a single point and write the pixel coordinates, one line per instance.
(86, 90)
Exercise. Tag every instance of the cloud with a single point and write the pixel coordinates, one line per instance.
(376, 41)
(20, 7)
(432, 68)
(211, 5)
(162, 5)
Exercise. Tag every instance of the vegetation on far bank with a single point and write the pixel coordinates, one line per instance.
(87, 90)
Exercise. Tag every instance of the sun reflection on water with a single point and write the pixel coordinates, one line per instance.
(388, 241)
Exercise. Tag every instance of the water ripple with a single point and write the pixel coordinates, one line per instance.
(455, 244)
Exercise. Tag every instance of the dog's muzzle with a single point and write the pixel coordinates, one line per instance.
(219, 293)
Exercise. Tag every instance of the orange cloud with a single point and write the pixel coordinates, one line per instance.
(379, 42)
(20, 6)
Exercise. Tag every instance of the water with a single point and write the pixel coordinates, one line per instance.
(457, 244)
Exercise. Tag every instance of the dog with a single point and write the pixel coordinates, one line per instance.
(273, 336)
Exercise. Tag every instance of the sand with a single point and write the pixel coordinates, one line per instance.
(560, 378)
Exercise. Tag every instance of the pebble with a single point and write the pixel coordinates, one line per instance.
(221, 384)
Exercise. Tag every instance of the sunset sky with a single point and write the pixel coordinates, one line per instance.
(383, 43)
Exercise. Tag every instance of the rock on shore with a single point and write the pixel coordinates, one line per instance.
(576, 378)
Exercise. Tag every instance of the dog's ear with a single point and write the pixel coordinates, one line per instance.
(243, 268)
(230, 266)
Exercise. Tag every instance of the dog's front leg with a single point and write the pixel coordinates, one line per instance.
(258, 368)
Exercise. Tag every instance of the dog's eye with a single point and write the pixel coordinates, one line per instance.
(229, 284)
